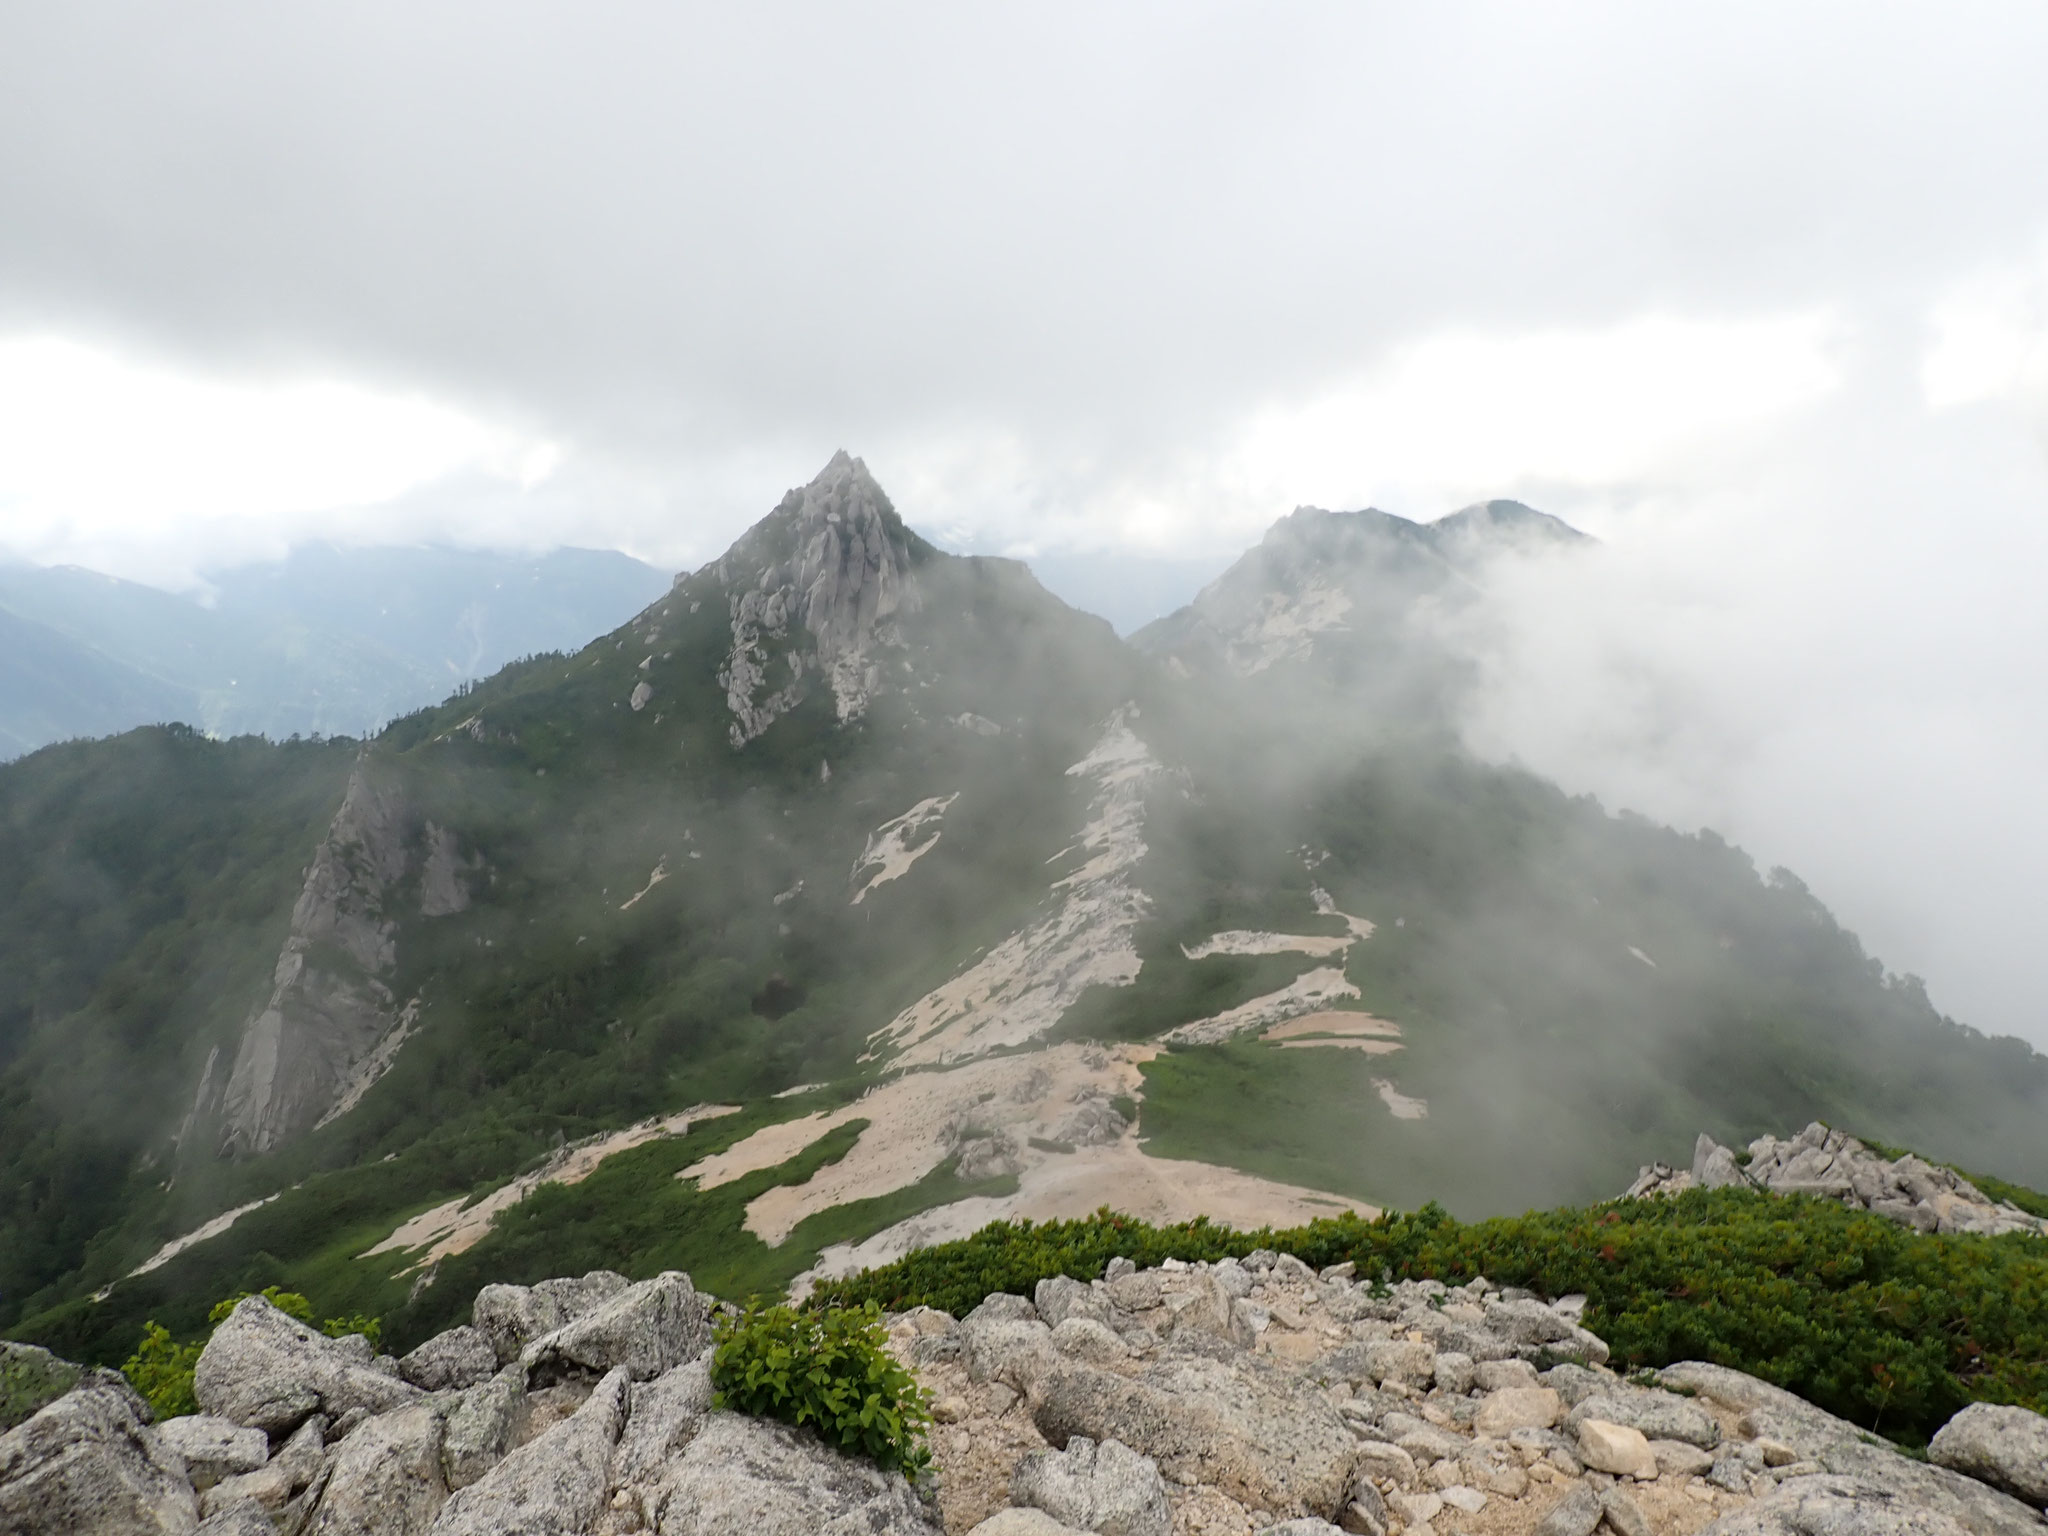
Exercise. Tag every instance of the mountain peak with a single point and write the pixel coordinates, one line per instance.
(1503, 521)
(814, 587)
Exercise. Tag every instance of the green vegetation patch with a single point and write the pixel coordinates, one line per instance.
(1891, 1328)
(830, 1369)
(29, 1378)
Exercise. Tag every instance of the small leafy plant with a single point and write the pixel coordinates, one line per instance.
(161, 1370)
(829, 1369)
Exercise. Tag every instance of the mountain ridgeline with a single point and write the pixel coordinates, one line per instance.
(870, 889)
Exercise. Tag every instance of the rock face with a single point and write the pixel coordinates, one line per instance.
(387, 1479)
(331, 1025)
(89, 1464)
(451, 1362)
(512, 1316)
(1269, 1441)
(271, 1372)
(749, 1477)
(644, 1330)
(1834, 1506)
(1107, 1488)
(1811, 1437)
(813, 591)
(555, 1483)
(1833, 1166)
(2005, 1447)
(213, 1448)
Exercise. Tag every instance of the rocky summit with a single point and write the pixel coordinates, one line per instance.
(1188, 1400)
(1833, 1165)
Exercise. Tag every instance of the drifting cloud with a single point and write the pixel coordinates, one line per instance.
(1755, 294)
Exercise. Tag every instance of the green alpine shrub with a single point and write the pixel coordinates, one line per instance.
(829, 1369)
(161, 1370)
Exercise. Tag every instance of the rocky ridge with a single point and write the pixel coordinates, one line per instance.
(1831, 1165)
(1189, 1400)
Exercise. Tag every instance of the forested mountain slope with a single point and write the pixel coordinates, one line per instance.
(875, 892)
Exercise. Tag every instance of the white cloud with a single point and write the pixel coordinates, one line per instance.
(103, 452)
(1989, 339)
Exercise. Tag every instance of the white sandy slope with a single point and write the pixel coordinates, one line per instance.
(1311, 992)
(916, 1121)
(1020, 989)
(897, 844)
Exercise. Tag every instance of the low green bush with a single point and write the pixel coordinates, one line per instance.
(161, 1370)
(828, 1368)
(1889, 1327)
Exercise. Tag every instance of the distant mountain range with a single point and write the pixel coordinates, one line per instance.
(849, 894)
(329, 641)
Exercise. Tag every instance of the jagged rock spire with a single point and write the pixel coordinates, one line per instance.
(815, 586)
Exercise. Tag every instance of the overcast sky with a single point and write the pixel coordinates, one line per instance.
(1757, 293)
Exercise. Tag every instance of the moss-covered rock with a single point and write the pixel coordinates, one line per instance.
(29, 1378)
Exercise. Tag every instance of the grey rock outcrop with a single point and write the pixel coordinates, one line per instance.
(386, 1479)
(666, 1414)
(644, 1330)
(1107, 1488)
(213, 1448)
(1270, 1441)
(512, 1316)
(1834, 1506)
(289, 1472)
(1831, 1165)
(2005, 1447)
(1842, 1449)
(554, 1484)
(266, 1370)
(1654, 1415)
(244, 1519)
(1578, 1513)
(451, 1362)
(480, 1427)
(90, 1464)
(751, 1477)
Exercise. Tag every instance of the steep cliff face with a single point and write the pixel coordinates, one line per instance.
(331, 1014)
(814, 591)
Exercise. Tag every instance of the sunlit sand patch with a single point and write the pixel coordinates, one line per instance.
(919, 1120)
(1309, 993)
(198, 1234)
(1344, 1043)
(456, 1226)
(897, 844)
(1240, 941)
(654, 878)
(1023, 986)
(1154, 1189)
(1333, 1022)
(1398, 1103)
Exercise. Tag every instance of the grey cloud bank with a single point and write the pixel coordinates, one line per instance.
(1114, 289)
